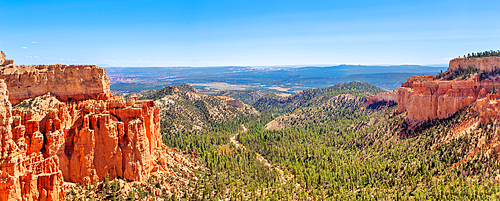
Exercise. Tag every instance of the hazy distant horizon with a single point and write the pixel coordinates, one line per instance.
(275, 66)
(246, 33)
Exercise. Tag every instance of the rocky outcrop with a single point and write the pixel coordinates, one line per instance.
(232, 102)
(66, 124)
(386, 96)
(482, 64)
(427, 98)
(4, 61)
(93, 137)
(24, 175)
(192, 112)
(67, 83)
(488, 108)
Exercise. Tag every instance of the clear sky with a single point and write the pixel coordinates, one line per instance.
(247, 33)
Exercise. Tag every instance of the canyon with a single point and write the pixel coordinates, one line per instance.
(428, 97)
(66, 125)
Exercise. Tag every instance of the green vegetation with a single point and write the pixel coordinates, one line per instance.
(490, 53)
(232, 173)
(370, 154)
(26, 103)
(290, 104)
(183, 109)
(460, 73)
(247, 96)
(331, 147)
(187, 87)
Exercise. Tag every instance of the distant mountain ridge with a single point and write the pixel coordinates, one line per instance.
(273, 79)
(291, 103)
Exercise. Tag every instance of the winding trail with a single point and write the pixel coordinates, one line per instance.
(238, 144)
(284, 178)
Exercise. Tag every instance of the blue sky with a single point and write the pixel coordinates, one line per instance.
(247, 33)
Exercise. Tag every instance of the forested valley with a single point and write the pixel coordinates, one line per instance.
(333, 147)
(320, 144)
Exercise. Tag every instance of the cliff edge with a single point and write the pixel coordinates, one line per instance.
(65, 125)
(466, 81)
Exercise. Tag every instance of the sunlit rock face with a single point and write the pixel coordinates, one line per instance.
(94, 137)
(67, 83)
(24, 175)
(66, 126)
(482, 64)
(427, 98)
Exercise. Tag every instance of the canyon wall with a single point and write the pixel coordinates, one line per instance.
(482, 64)
(66, 126)
(427, 98)
(488, 108)
(24, 175)
(93, 137)
(67, 83)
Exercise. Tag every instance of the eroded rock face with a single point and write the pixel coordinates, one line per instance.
(24, 176)
(427, 98)
(488, 108)
(93, 137)
(482, 64)
(2, 58)
(67, 83)
(68, 125)
(387, 96)
(4, 61)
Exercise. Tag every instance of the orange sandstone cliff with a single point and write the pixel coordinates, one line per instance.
(67, 83)
(24, 175)
(68, 127)
(428, 97)
(94, 137)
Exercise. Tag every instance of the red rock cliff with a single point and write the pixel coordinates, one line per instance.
(73, 82)
(94, 137)
(71, 127)
(425, 97)
(482, 64)
(24, 175)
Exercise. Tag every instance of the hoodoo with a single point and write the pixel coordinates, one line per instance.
(466, 81)
(67, 126)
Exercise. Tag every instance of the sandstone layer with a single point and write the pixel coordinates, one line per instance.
(482, 64)
(4, 61)
(488, 108)
(24, 175)
(67, 83)
(427, 98)
(66, 126)
(93, 137)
